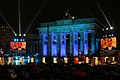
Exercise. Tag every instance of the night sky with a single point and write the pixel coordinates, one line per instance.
(55, 10)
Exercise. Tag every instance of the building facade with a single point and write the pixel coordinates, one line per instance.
(70, 36)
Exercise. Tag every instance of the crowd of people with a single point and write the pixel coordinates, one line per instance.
(62, 71)
(59, 71)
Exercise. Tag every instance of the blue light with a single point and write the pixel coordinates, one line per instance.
(21, 40)
(112, 35)
(17, 62)
(36, 60)
(36, 53)
(105, 35)
(28, 60)
(109, 35)
(16, 57)
(15, 40)
(28, 57)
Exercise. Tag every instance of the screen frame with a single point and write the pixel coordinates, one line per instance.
(104, 42)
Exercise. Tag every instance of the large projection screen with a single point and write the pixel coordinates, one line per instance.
(18, 47)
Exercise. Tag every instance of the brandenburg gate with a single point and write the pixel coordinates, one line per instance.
(54, 40)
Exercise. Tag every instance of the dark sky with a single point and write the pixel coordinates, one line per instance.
(55, 9)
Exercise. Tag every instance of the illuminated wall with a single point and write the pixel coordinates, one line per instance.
(58, 30)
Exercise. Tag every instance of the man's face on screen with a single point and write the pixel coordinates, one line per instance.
(109, 42)
(19, 44)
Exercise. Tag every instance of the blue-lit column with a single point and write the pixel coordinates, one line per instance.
(85, 43)
(62, 44)
(58, 44)
(81, 41)
(45, 44)
(93, 41)
(53, 44)
(75, 44)
(97, 44)
(71, 43)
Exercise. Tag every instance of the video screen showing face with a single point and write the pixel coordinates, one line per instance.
(17, 45)
(108, 43)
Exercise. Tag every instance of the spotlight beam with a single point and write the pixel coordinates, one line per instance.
(7, 23)
(35, 16)
(19, 17)
(86, 10)
(103, 13)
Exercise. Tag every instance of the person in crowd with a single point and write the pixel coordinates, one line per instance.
(118, 57)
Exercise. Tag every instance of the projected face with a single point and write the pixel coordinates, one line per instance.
(12, 45)
(103, 44)
(102, 41)
(19, 44)
(109, 42)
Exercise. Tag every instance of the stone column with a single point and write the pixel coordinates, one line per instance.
(71, 43)
(93, 42)
(85, 43)
(97, 44)
(58, 44)
(75, 44)
(62, 44)
(53, 44)
(45, 44)
(81, 41)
